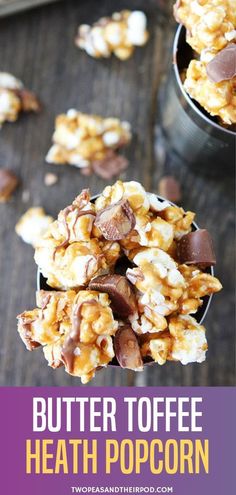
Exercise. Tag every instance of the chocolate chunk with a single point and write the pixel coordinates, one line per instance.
(169, 188)
(223, 66)
(29, 101)
(120, 292)
(127, 350)
(196, 248)
(111, 165)
(8, 183)
(116, 221)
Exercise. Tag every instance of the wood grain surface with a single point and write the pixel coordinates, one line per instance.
(37, 46)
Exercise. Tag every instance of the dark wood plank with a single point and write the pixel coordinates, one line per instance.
(38, 47)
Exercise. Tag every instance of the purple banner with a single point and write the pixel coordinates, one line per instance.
(118, 440)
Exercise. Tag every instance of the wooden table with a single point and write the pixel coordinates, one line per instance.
(37, 46)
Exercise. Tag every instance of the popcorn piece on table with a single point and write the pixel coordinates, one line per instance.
(185, 341)
(219, 99)
(8, 184)
(33, 225)
(50, 179)
(14, 98)
(210, 24)
(118, 34)
(75, 330)
(83, 140)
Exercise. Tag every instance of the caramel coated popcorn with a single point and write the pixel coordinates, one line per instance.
(33, 225)
(70, 327)
(183, 341)
(89, 142)
(217, 98)
(210, 24)
(125, 291)
(118, 35)
(14, 98)
(211, 32)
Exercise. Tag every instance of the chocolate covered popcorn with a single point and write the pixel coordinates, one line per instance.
(211, 75)
(15, 98)
(90, 143)
(129, 270)
(118, 35)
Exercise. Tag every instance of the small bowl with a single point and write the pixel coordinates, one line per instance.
(196, 137)
(199, 316)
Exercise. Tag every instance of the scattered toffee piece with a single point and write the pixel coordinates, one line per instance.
(196, 248)
(73, 339)
(111, 165)
(116, 221)
(120, 292)
(127, 349)
(223, 66)
(8, 183)
(169, 188)
(29, 101)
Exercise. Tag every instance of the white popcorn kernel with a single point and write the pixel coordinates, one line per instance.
(156, 204)
(77, 160)
(77, 351)
(33, 225)
(137, 22)
(231, 35)
(189, 344)
(110, 138)
(106, 344)
(214, 19)
(113, 34)
(9, 82)
(175, 278)
(99, 42)
(72, 113)
(5, 103)
(84, 267)
(197, 8)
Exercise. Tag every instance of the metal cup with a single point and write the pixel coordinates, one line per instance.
(199, 316)
(190, 132)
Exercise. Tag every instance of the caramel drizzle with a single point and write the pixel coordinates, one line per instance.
(73, 339)
(66, 212)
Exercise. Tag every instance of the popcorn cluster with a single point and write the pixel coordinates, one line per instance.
(210, 24)
(129, 272)
(14, 98)
(89, 142)
(118, 35)
(33, 225)
(211, 32)
(217, 98)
